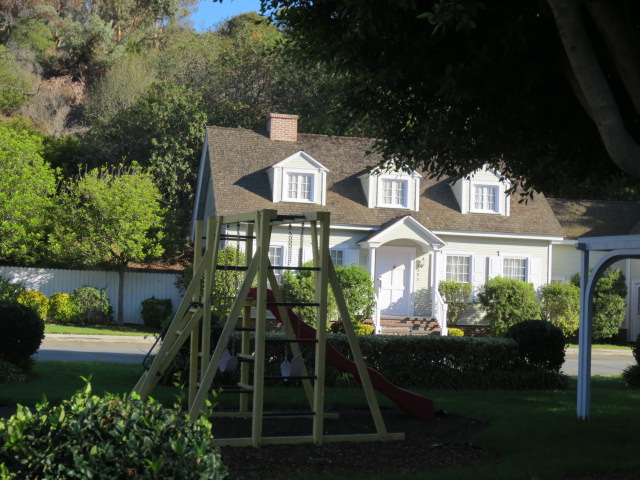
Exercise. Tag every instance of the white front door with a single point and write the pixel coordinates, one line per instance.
(394, 267)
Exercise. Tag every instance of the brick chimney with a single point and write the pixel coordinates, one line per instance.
(282, 127)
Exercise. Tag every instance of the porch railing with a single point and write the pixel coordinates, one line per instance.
(440, 313)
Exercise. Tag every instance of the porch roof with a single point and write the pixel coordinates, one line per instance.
(405, 228)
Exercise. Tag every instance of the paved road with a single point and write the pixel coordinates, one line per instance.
(130, 349)
(603, 361)
(100, 348)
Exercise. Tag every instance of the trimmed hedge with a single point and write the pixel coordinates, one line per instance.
(411, 362)
(22, 333)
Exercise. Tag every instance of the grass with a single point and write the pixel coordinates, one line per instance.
(128, 329)
(536, 433)
(606, 346)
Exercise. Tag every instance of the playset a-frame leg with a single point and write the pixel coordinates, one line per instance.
(193, 320)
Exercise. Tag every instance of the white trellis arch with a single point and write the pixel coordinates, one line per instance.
(616, 248)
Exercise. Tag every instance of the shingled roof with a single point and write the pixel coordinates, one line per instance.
(595, 218)
(240, 159)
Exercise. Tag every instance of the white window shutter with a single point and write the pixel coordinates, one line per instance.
(495, 267)
(478, 276)
(351, 256)
(534, 271)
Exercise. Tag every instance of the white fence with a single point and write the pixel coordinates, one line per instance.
(138, 286)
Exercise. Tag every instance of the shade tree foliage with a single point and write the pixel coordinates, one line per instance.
(544, 90)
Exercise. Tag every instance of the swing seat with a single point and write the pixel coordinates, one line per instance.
(228, 363)
(297, 366)
(285, 368)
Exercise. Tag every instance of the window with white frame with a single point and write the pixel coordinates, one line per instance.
(394, 192)
(457, 268)
(276, 258)
(485, 198)
(299, 187)
(515, 268)
(337, 257)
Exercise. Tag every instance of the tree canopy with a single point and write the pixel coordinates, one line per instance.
(540, 89)
(27, 186)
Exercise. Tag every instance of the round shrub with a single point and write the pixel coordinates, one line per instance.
(540, 344)
(155, 311)
(22, 332)
(105, 438)
(636, 350)
(36, 300)
(91, 307)
(456, 332)
(60, 308)
(507, 302)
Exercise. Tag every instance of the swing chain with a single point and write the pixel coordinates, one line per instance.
(300, 251)
(237, 273)
(289, 245)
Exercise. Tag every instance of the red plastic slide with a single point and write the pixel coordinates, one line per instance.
(413, 403)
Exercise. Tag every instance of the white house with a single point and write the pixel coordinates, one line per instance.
(409, 231)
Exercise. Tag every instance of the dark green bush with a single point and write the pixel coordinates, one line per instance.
(9, 373)
(410, 362)
(636, 350)
(91, 307)
(507, 302)
(540, 344)
(22, 333)
(109, 437)
(631, 375)
(10, 291)
(609, 305)
(155, 311)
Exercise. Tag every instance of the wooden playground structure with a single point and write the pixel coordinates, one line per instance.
(193, 318)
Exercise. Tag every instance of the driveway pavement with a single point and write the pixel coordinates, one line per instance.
(132, 349)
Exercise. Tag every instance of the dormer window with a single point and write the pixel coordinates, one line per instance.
(484, 191)
(485, 198)
(298, 178)
(394, 193)
(300, 187)
(386, 188)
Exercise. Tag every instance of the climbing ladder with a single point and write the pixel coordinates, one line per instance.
(193, 320)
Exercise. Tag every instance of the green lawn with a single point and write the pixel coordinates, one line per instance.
(535, 432)
(129, 329)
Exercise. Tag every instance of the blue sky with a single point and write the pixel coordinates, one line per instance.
(210, 13)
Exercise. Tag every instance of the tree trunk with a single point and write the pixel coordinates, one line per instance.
(120, 314)
(621, 147)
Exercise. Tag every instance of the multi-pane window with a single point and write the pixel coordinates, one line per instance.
(275, 257)
(485, 198)
(394, 192)
(337, 257)
(515, 268)
(457, 269)
(299, 186)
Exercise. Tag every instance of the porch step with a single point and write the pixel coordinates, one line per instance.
(409, 326)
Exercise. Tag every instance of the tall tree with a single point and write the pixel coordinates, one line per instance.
(27, 186)
(110, 218)
(541, 89)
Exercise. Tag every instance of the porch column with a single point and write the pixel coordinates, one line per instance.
(371, 246)
(434, 279)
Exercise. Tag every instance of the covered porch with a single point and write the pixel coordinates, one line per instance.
(403, 263)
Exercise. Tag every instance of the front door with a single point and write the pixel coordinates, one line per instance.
(393, 274)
